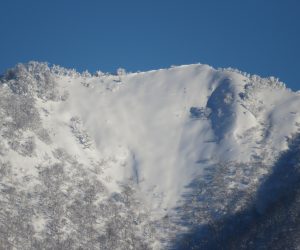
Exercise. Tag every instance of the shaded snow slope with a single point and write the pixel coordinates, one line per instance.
(157, 131)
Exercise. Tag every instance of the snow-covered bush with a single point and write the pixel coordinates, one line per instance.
(121, 72)
(32, 79)
(79, 132)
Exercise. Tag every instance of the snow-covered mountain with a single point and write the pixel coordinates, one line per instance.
(188, 157)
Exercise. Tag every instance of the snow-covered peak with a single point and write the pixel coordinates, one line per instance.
(155, 131)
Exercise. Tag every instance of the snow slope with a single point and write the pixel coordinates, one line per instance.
(147, 118)
(157, 131)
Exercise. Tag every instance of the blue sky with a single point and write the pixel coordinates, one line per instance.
(256, 36)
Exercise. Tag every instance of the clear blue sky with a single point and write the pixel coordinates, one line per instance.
(256, 36)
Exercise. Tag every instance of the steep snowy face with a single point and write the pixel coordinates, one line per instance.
(154, 132)
(166, 123)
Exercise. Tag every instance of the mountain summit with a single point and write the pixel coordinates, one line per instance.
(188, 157)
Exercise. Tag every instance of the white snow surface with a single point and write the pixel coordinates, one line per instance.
(186, 140)
(161, 128)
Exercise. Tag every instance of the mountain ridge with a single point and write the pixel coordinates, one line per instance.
(142, 145)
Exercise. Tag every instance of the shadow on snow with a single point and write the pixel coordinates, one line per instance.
(271, 221)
